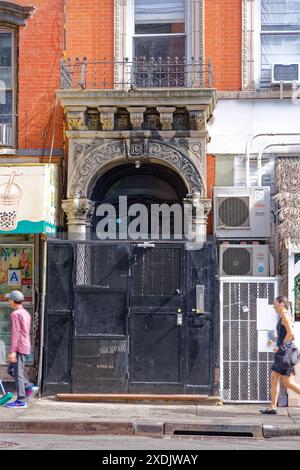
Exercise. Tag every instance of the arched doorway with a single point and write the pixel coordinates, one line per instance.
(144, 184)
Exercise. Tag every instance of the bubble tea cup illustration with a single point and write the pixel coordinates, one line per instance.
(10, 196)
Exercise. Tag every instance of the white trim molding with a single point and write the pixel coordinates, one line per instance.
(124, 29)
(248, 44)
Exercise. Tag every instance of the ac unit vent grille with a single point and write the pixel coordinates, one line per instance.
(233, 212)
(237, 262)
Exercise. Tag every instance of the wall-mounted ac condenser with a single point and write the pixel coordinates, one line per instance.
(245, 260)
(242, 212)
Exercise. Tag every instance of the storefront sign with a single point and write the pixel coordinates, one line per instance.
(29, 199)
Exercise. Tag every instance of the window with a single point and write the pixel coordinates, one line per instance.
(7, 71)
(280, 35)
(159, 29)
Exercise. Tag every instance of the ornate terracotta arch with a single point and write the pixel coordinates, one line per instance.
(93, 162)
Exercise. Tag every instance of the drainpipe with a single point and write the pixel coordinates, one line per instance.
(42, 322)
(259, 157)
(249, 145)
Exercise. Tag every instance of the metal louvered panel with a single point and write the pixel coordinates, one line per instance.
(245, 372)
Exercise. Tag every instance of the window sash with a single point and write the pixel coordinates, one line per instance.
(159, 11)
(280, 15)
(7, 75)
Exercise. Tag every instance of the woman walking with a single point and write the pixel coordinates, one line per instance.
(285, 336)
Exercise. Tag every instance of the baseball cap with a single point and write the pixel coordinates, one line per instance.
(16, 296)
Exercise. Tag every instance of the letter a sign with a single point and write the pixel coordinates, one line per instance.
(14, 277)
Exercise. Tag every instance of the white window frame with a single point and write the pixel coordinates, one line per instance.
(124, 29)
(257, 34)
(12, 31)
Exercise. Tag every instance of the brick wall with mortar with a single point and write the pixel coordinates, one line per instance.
(40, 49)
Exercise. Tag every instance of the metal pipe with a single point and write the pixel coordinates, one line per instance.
(259, 157)
(249, 144)
(42, 322)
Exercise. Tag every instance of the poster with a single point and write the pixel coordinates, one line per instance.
(16, 270)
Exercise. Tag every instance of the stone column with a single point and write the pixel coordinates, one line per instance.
(197, 226)
(79, 213)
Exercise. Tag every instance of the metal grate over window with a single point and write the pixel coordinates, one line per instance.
(157, 272)
(245, 370)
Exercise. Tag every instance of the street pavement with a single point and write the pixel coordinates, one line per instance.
(49, 416)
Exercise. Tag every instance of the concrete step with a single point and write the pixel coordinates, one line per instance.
(142, 398)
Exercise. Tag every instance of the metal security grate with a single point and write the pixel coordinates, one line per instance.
(245, 372)
(233, 212)
(157, 271)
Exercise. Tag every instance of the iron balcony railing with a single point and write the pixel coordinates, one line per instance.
(138, 73)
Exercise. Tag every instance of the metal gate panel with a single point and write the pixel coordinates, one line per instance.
(157, 277)
(245, 372)
(100, 336)
(58, 318)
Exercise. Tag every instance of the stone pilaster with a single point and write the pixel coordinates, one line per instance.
(79, 213)
(197, 226)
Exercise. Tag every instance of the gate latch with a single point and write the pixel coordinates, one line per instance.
(179, 319)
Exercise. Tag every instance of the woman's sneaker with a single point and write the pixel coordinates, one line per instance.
(31, 391)
(16, 404)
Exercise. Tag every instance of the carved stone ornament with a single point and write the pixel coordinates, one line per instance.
(166, 117)
(197, 119)
(136, 117)
(76, 118)
(137, 147)
(107, 118)
(78, 210)
(93, 120)
(15, 14)
(91, 163)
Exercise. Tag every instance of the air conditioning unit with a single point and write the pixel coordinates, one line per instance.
(242, 212)
(286, 73)
(246, 260)
(5, 135)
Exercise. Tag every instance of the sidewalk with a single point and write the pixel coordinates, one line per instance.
(49, 416)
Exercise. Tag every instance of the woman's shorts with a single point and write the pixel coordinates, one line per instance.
(285, 372)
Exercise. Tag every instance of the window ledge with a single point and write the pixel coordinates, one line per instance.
(255, 94)
(7, 151)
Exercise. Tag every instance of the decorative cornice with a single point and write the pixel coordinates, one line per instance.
(15, 14)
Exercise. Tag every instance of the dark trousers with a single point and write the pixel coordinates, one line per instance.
(16, 370)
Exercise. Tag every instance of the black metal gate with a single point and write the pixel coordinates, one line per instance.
(124, 318)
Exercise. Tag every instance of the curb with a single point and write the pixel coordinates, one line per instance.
(280, 431)
(143, 428)
(66, 427)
